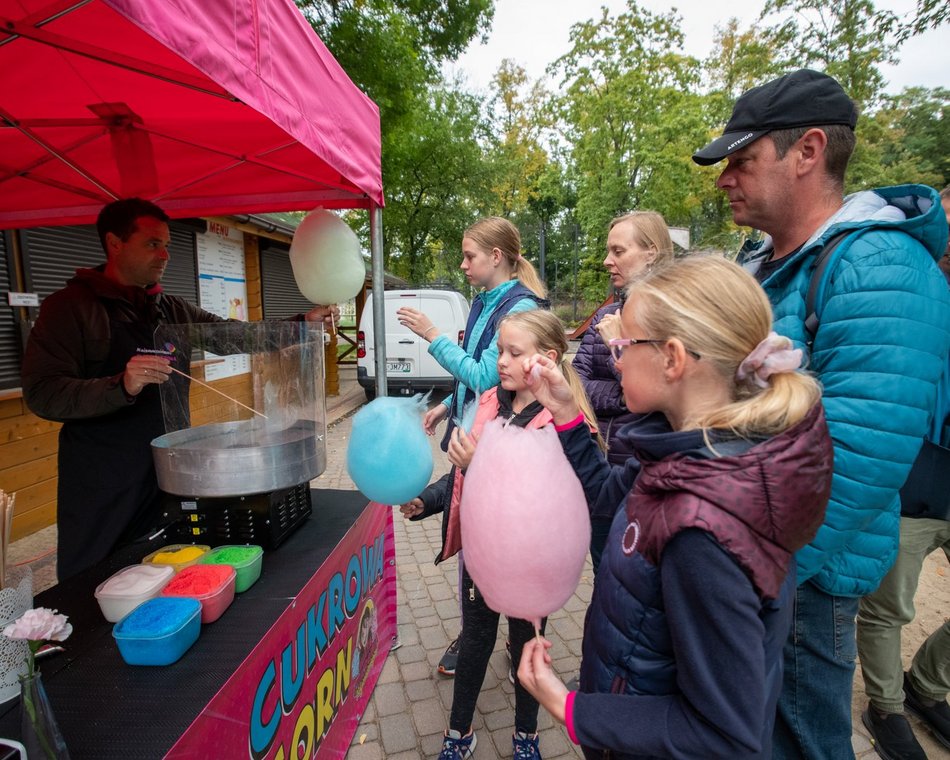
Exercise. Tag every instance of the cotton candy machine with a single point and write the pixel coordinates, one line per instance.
(246, 419)
(236, 458)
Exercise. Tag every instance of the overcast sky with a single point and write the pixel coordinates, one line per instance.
(535, 32)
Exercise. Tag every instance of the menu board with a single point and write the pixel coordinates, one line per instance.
(222, 287)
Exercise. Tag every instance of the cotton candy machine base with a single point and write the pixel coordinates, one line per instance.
(264, 519)
(238, 458)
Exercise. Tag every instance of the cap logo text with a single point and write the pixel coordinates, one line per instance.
(742, 139)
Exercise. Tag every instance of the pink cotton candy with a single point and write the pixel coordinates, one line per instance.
(525, 523)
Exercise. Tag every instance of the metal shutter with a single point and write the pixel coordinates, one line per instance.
(9, 332)
(53, 254)
(181, 277)
(281, 296)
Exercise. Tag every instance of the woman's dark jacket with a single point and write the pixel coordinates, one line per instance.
(601, 380)
(682, 654)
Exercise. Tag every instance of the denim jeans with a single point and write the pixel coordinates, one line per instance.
(814, 709)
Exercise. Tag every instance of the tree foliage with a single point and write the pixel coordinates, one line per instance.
(848, 40)
(632, 115)
(629, 108)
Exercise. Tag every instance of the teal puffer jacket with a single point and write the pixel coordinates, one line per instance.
(879, 352)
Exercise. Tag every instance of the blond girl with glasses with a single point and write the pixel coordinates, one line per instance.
(682, 653)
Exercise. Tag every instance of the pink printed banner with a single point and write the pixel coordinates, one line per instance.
(302, 691)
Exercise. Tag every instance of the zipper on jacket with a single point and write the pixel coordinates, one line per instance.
(471, 593)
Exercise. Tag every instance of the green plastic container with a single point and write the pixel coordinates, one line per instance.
(246, 561)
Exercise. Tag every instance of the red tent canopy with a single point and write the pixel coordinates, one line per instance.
(203, 106)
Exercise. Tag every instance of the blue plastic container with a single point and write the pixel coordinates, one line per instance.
(159, 631)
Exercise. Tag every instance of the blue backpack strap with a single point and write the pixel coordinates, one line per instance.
(513, 296)
(823, 263)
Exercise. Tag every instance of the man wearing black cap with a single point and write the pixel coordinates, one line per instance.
(878, 342)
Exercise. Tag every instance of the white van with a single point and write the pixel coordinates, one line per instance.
(409, 367)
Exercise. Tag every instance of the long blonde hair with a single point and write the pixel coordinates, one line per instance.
(497, 232)
(719, 311)
(549, 335)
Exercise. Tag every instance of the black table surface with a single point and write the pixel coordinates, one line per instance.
(108, 709)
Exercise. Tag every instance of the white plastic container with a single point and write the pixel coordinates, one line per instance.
(127, 589)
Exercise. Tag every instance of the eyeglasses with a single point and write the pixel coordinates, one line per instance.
(617, 345)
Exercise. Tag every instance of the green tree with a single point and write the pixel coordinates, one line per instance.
(848, 40)
(431, 132)
(906, 140)
(632, 116)
(517, 121)
(437, 183)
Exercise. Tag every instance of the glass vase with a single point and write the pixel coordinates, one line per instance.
(38, 729)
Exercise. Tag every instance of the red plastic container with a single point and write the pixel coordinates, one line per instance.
(212, 585)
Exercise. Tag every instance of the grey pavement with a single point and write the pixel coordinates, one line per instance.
(410, 704)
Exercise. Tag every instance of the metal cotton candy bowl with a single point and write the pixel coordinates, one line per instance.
(275, 390)
(234, 458)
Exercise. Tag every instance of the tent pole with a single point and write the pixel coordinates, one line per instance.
(379, 302)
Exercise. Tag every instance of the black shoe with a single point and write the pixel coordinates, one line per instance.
(449, 659)
(891, 735)
(935, 716)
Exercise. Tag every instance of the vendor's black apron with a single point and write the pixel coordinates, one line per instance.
(108, 494)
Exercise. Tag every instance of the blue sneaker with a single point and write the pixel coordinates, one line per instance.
(457, 747)
(525, 746)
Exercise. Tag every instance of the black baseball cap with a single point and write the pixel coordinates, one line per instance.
(804, 98)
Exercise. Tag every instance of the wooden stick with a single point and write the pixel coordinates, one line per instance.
(205, 385)
(6, 514)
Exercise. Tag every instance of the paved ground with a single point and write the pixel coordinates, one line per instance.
(410, 705)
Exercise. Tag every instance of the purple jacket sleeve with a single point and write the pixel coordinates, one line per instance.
(597, 372)
(717, 637)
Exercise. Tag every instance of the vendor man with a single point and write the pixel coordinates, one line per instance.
(81, 368)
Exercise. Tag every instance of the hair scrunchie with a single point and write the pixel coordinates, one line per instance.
(773, 355)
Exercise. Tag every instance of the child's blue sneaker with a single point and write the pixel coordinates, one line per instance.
(458, 747)
(525, 746)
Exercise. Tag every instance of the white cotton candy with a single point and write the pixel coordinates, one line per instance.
(326, 258)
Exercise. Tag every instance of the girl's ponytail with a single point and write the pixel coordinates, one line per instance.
(528, 275)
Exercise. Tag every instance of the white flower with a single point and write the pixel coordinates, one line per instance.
(40, 624)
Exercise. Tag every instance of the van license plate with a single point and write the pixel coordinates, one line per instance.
(401, 367)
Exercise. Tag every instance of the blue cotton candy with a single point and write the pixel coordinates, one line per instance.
(467, 420)
(388, 456)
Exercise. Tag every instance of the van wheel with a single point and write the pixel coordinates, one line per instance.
(370, 393)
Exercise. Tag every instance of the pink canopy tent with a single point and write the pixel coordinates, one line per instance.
(205, 107)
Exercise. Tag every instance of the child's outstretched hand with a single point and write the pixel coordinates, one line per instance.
(461, 448)
(536, 675)
(550, 388)
(411, 508)
(433, 417)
